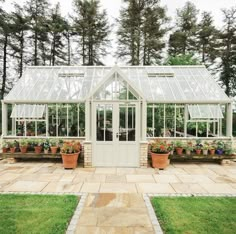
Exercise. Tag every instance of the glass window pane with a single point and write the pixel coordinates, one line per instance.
(109, 129)
(73, 119)
(179, 121)
(81, 120)
(52, 120)
(169, 120)
(41, 128)
(100, 122)
(150, 127)
(62, 120)
(159, 120)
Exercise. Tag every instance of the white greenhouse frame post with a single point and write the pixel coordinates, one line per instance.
(229, 120)
(88, 120)
(4, 119)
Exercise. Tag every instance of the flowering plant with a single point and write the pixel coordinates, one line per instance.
(160, 147)
(70, 147)
(46, 144)
(198, 145)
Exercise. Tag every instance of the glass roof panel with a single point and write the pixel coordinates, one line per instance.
(205, 112)
(156, 83)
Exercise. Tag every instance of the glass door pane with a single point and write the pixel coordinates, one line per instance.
(127, 121)
(104, 121)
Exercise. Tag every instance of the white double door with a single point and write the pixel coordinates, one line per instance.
(115, 134)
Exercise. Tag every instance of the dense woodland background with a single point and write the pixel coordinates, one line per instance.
(36, 33)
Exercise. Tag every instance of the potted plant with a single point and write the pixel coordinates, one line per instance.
(70, 153)
(228, 149)
(160, 153)
(46, 146)
(38, 146)
(171, 148)
(188, 148)
(5, 146)
(23, 146)
(205, 148)
(12, 146)
(220, 147)
(198, 147)
(179, 147)
(53, 146)
(212, 148)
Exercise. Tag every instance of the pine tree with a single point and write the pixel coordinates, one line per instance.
(207, 39)
(141, 31)
(18, 38)
(37, 12)
(182, 41)
(228, 52)
(57, 29)
(92, 30)
(5, 32)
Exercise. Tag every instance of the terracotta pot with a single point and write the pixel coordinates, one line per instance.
(23, 149)
(4, 150)
(53, 149)
(38, 149)
(198, 151)
(13, 150)
(179, 151)
(160, 161)
(212, 151)
(70, 160)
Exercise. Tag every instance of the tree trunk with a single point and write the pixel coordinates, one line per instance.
(21, 54)
(4, 75)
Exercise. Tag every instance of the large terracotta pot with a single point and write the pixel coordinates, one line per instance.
(53, 149)
(69, 160)
(38, 149)
(4, 150)
(23, 149)
(160, 161)
(179, 151)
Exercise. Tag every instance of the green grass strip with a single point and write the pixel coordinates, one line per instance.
(36, 213)
(196, 215)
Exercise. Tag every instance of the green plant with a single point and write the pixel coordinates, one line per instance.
(206, 146)
(46, 144)
(160, 147)
(13, 144)
(228, 149)
(188, 147)
(23, 142)
(220, 145)
(53, 142)
(5, 144)
(198, 145)
(179, 144)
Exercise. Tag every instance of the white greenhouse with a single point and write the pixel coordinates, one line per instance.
(115, 111)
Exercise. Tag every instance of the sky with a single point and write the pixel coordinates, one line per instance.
(113, 6)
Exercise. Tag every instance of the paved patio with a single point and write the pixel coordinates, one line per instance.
(177, 178)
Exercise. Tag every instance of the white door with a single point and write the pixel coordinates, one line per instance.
(115, 142)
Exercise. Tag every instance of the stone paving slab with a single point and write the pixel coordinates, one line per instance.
(114, 213)
(176, 178)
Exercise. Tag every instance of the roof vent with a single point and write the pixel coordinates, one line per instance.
(158, 74)
(71, 75)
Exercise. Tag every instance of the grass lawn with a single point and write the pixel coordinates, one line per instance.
(189, 215)
(36, 213)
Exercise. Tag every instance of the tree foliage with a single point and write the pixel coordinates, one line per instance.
(142, 26)
(91, 29)
(228, 52)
